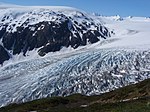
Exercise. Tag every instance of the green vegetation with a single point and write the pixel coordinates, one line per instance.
(133, 98)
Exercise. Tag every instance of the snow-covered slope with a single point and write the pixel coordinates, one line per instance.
(130, 32)
(96, 68)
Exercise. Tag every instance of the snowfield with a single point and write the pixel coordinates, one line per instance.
(130, 32)
(118, 61)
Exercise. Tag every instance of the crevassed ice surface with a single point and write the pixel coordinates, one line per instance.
(88, 73)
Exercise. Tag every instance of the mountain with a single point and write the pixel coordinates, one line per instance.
(133, 98)
(89, 69)
(46, 29)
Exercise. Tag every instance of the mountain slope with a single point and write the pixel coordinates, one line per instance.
(131, 98)
(47, 29)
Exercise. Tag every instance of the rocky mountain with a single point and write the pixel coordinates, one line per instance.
(47, 29)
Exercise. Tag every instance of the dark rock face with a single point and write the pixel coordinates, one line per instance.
(3, 55)
(50, 36)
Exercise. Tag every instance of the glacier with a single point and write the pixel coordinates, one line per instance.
(97, 68)
(89, 73)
